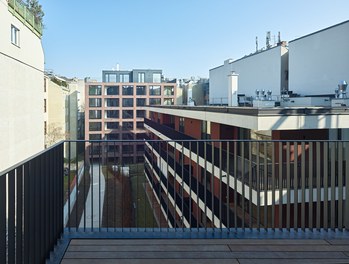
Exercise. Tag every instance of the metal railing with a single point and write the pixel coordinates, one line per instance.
(177, 185)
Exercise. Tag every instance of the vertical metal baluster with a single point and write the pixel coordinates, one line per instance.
(258, 187)
(250, 185)
(167, 193)
(69, 170)
(243, 183)
(91, 184)
(160, 176)
(174, 185)
(295, 186)
(190, 187)
(333, 185)
(288, 187)
(346, 211)
(11, 216)
(205, 185)
(99, 186)
(182, 185)
(19, 216)
(3, 204)
(77, 185)
(266, 186)
(106, 188)
(311, 196)
(235, 186)
(303, 186)
(212, 183)
(114, 178)
(228, 186)
(325, 162)
(197, 186)
(281, 196)
(220, 186)
(340, 185)
(318, 186)
(273, 185)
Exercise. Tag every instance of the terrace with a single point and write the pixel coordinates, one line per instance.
(189, 200)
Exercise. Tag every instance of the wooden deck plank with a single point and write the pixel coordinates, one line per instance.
(151, 248)
(290, 248)
(338, 241)
(198, 241)
(206, 255)
(291, 261)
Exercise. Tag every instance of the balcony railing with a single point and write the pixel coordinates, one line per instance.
(185, 187)
(21, 11)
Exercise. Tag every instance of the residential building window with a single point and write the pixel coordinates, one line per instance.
(141, 77)
(113, 148)
(205, 130)
(127, 125)
(111, 125)
(155, 90)
(95, 136)
(127, 136)
(95, 90)
(127, 149)
(140, 101)
(181, 124)
(154, 101)
(95, 126)
(112, 90)
(140, 125)
(168, 90)
(156, 77)
(140, 147)
(95, 114)
(169, 101)
(14, 35)
(45, 84)
(45, 106)
(110, 77)
(141, 90)
(140, 113)
(141, 136)
(127, 102)
(127, 90)
(111, 113)
(112, 136)
(45, 128)
(127, 114)
(95, 102)
(111, 102)
(124, 78)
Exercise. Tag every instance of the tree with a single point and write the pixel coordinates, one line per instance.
(36, 9)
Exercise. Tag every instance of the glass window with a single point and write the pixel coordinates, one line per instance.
(140, 147)
(141, 90)
(111, 113)
(127, 114)
(140, 113)
(169, 101)
(95, 136)
(112, 90)
(181, 124)
(95, 102)
(156, 77)
(95, 126)
(95, 114)
(141, 77)
(155, 90)
(127, 136)
(112, 136)
(127, 90)
(168, 90)
(140, 136)
(95, 90)
(111, 102)
(113, 148)
(127, 102)
(111, 125)
(127, 149)
(141, 101)
(154, 101)
(110, 77)
(124, 78)
(140, 124)
(127, 125)
(14, 35)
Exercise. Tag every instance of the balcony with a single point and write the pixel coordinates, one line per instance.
(184, 200)
(20, 10)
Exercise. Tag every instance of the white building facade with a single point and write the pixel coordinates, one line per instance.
(21, 88)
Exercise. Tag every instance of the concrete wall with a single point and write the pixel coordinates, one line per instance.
(318, 62)
(22, 92)
(263, 70)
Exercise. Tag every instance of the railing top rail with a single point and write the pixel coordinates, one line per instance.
(2, 173)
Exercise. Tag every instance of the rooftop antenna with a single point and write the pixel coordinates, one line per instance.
(268, 40)
(256, 44)
(279, 37)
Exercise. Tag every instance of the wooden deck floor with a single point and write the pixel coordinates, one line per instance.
(206, 251)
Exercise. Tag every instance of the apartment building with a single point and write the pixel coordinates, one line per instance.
(115, 110)
(295, 147)
(21, 84)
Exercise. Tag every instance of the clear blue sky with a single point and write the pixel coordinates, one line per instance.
(183, 37)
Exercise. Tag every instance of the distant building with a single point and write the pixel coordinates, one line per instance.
(21, 85)
(193, 91)
(115, 110)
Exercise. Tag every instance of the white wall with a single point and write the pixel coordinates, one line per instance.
(21, 92)
(319, 61)
(263, 70)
